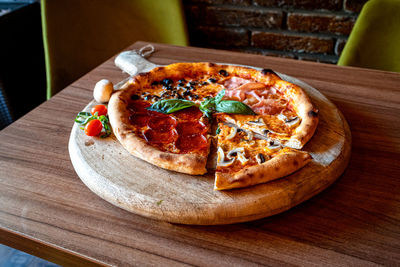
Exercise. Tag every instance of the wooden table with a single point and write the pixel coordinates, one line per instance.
(47, 211)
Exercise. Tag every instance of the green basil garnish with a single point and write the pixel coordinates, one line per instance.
(171, 105)
(208, 107)
(106, 126)
(216, 104)
(219, 96)
(236, 107)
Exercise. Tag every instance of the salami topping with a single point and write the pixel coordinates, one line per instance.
(192, 113)
(139, 120)
(191, 127)
(138, 106)
(192, 142)
(155, 137)
(162, 124)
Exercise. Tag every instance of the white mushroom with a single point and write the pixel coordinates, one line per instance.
(292, 121)
(259, 122)
(221, 158)
(288, 121)
(231, 154)
(232, 133)
(249, 135)
(274, 144)
(242, 158)
(102, 91)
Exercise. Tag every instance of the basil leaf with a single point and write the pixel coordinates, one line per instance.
(208, 107)
(171, 105)
(236, 107)
(219, 96)
(83, 118)
(106, 126)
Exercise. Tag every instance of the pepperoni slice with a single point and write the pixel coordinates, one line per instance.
(192, 142)
(157, 114)
(162, 124)
(139, 120)
(191, 127)
(138, 106)
(155, 137)
(192, 113)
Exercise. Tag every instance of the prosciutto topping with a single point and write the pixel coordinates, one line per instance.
(235, 82)
(255, 95)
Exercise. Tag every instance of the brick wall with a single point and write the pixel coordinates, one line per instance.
(314, 30)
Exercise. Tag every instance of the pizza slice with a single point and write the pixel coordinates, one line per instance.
(178, 141)
(244, 160)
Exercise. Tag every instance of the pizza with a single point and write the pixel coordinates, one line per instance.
(246, 125)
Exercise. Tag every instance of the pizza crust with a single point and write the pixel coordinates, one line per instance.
(277, 167)
(305, 110)
(185, 163)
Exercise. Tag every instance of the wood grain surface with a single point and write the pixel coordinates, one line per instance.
(139, 187)
(46, 210)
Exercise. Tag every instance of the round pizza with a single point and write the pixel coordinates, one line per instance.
(246, 125)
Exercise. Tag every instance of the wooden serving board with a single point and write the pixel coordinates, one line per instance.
(139, 187)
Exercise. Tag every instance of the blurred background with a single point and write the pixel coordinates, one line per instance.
(36, 34)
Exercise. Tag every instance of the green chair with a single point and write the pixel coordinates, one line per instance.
(80, 34)
(375, 39)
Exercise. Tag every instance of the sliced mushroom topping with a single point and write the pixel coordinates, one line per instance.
(260, 158)
(282, 117)
(274, 144)
(288, 121)
(249, 134)
(242, 158)
(232, 133)
(292, 121)
(258, 122)
(234, 152)
(221, 158)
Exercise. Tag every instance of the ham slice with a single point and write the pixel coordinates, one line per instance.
(251, 86)
(235, 82)
(234, 95)
(252, 94)
(267, 106)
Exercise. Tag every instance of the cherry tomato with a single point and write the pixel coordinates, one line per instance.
(93, 128)
(100, 109)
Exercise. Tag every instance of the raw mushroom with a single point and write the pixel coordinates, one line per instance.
(102, 91)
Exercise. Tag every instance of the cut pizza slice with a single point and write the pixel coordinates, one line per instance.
(244, 160)
(284, 111)
(178, 141)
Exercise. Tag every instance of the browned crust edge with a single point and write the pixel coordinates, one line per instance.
(279, 166)
(304, 109)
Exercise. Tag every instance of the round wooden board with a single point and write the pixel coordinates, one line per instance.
(139, 187)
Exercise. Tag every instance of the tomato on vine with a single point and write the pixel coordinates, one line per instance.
(100, 109)
(93, 128)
